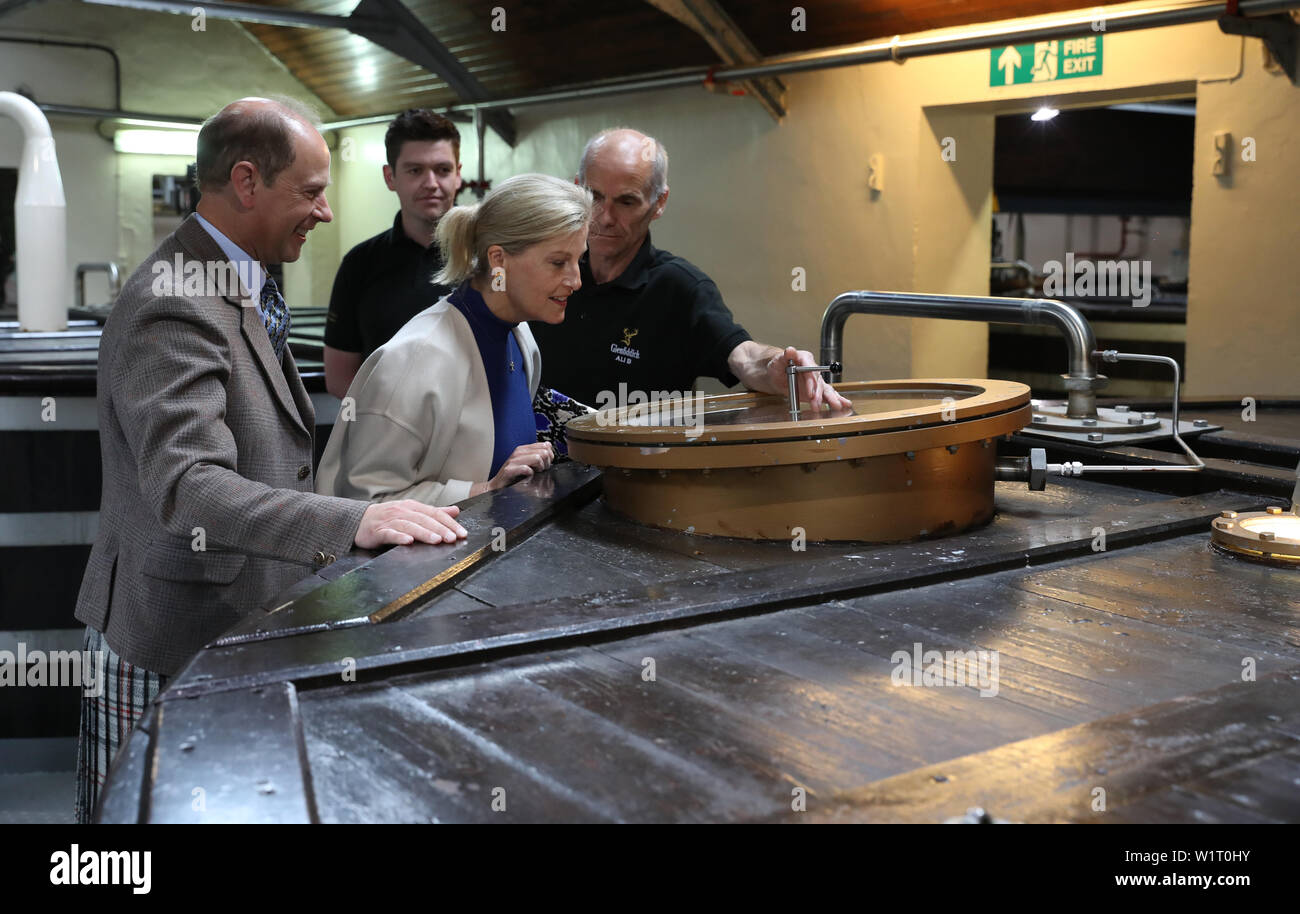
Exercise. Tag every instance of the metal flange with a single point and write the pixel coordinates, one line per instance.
(1271, 536)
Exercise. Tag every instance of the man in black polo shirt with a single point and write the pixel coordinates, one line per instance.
(646, 318)
(385, 281)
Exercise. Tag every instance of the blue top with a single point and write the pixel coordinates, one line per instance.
(513, 423)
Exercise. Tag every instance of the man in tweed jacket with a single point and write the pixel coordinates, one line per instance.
(206, 433)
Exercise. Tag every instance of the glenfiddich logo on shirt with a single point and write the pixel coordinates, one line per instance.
(624, 353)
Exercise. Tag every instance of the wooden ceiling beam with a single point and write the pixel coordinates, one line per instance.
(712, 23)
(413, 41)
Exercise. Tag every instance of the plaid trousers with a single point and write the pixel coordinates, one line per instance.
(108, 719)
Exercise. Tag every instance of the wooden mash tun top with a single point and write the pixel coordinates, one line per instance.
(912, 458)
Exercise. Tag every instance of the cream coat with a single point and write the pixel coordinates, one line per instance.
(421, 423)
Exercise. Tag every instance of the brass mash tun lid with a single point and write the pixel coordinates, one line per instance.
(910, 458)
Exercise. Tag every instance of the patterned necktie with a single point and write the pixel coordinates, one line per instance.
(275, 313)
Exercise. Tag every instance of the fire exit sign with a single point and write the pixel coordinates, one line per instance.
(1045, 61)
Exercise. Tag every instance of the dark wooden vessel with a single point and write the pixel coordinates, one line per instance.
(599, 670)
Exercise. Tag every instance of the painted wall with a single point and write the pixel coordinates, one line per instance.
(752, 200)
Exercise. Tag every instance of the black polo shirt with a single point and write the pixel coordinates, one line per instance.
(381, 284)
(660, 325)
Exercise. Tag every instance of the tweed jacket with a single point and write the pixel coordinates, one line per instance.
(206, 441)
(423, 423)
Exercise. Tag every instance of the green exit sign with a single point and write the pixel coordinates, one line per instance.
(1045, 61)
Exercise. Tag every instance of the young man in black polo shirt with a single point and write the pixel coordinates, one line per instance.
(644, 318)
(385, 281)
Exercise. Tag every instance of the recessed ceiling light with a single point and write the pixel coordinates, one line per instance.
(1044, 114)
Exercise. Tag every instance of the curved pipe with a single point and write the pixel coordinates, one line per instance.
(114, 281)
(40, 222)
(84, 46)
(1079, 339)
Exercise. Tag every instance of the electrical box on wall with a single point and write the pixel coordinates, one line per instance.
(1222, 152)
(876, 172)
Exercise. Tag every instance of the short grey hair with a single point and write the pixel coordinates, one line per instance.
(658, 174)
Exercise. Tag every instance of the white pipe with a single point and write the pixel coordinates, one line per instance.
(40, 222)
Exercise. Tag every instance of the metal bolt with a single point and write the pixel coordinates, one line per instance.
(1148, 414)
(1274, 510)
(952, 449)
(1121, 409)
(911, 455)
(1096, 436)
(1267, 535)
(1200, 423)
(1134, 420)
(1089, 422)
(1228, 514)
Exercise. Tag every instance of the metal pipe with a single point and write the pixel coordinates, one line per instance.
(114, 280)
(1082, 381)
(480, 133)
(78, 45)
(1076, 468)
(1021, 266)
(109, 114)
(457, 116)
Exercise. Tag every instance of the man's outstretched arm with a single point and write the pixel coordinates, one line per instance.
(761, 367)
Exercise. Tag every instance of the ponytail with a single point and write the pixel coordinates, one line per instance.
(455, 237)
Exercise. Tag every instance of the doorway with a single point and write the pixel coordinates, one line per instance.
(1092, 206)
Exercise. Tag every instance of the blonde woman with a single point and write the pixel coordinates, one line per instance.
(443, 411)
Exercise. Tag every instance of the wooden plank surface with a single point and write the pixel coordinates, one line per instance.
(742, 711)
(1136, 758)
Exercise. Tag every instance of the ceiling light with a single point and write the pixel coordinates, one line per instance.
(167, 125)
(157, 142)
(1044, 114)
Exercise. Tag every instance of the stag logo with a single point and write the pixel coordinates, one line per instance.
(623, 352)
